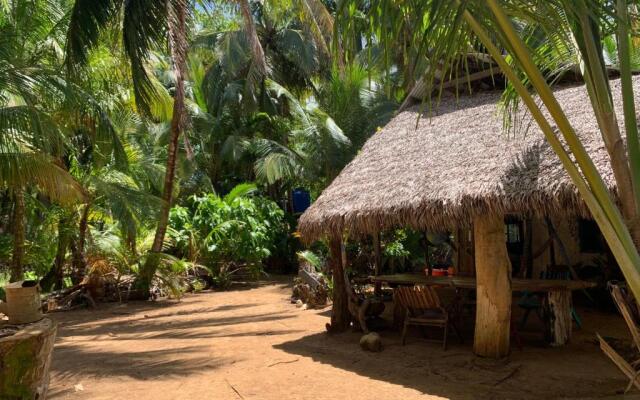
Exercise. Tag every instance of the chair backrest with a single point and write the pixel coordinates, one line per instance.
(628, 309)
(417, 297)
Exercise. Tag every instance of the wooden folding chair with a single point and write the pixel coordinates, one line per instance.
(628, 308)
(423, 308)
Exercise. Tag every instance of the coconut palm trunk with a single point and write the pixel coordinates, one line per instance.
(256, 48)
(17, 268)
(178, 45)
(54, 279)
(79, 257)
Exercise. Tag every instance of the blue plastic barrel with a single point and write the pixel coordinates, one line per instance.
(301, 200)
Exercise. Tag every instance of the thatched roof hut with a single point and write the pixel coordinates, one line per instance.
(458, 163)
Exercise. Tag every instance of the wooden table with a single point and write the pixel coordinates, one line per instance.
(558, 295)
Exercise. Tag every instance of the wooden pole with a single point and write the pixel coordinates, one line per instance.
(340, 317)
(525, 259)
(558, 310)
(378, 261)
(377, 254)
(426, 252)
(493, 277)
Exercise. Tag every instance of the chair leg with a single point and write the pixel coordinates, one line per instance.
(457, 331)
(444, 342)
(515, 335)
(576, 317)
(525, 317)
(631, 382)
(404, 332)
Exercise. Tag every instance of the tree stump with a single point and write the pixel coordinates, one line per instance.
(493, 277)
(558, 315)
(25, 358)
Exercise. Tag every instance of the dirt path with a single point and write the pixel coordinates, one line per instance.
(254, 344)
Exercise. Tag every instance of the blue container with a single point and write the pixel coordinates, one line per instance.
(301, 200)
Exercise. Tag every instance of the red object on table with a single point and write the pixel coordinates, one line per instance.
(439, 272)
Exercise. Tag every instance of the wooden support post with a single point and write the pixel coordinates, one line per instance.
(426, 253)
(558, 312)
(493, 277)
(377, 253)
(340, 317)
(399, 314)
(526, 262)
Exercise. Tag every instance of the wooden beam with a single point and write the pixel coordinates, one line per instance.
(419, 89)
(493, 277)
(553, 234)
(565, 256)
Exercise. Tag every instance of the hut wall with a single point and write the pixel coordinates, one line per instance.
(464, 256)
(567, 230)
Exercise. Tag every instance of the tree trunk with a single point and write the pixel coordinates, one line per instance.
(340, 317)
(493, 276)
(25, 358)
(17, 267)
(252, 37)
(131, 243)
(54, 279)
(178, 46)
(79, 259)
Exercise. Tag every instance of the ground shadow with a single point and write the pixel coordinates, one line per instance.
(161, 328)
(87, 344)
(143, 365)
(533, 372)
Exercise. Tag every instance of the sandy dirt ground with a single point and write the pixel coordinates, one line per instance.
(251, 343)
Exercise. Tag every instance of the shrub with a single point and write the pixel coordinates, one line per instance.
(222, 233)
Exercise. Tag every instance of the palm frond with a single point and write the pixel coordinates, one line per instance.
(21, 169)
(240, 190)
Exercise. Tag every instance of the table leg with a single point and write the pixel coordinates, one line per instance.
(558, 316)
(399, 314)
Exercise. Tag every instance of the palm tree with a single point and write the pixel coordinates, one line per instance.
(31, 91)
(455, 30)
(281, 123)
(145, 25)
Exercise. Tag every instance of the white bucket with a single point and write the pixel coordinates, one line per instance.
(23, 304)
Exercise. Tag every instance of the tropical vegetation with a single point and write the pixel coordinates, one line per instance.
(163, 137)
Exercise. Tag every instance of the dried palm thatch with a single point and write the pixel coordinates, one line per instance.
(455, 162)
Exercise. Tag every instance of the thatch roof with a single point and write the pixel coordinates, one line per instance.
(458, 163)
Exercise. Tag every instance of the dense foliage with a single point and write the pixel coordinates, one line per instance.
(128, 130)
(233, 230)
(101, 108)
